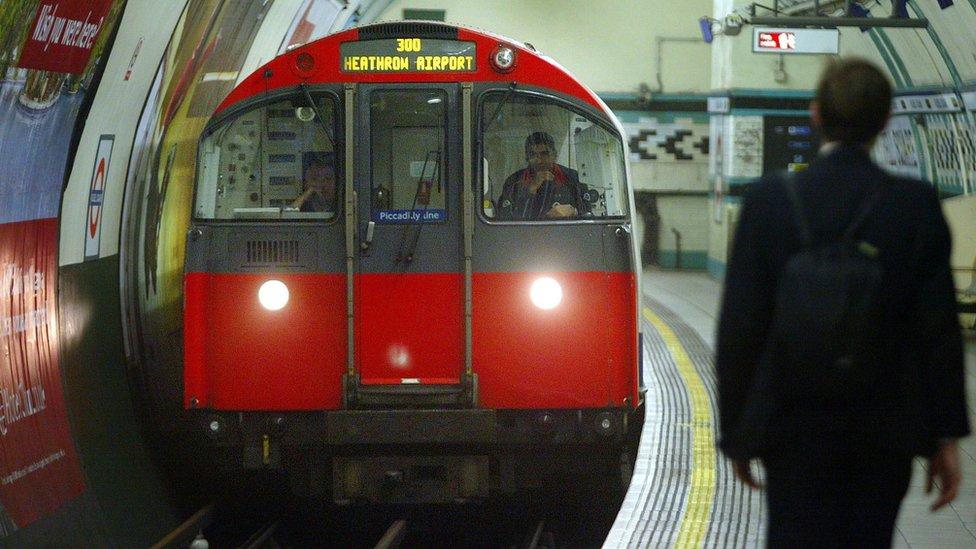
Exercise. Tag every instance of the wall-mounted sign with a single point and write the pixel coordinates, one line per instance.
(938, 102)
(719, 105)
(96, 196)
(132, 62)
(789, 142)
(808, 41)
(969, 100)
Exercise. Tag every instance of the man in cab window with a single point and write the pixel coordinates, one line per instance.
(543, 189)
(319, 186)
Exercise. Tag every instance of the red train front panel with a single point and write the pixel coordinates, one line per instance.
(409, 324)
(571, 356)
(241, 356)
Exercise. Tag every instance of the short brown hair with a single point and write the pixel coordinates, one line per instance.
(539, 138)
(854, 97)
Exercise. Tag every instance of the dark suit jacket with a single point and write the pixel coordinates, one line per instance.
(923, 397)
(516, 203)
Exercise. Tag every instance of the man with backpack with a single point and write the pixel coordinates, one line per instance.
(839, 353)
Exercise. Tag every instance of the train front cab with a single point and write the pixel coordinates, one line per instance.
(395, 339)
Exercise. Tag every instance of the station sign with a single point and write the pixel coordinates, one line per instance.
(795, 41)
(407, 55)
(926, 103)
(96, 196)
(719, 105)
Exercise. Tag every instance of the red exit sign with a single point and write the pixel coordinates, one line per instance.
(773, 40)
(777, 41)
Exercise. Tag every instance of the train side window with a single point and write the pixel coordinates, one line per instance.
(274, 161)
(407, 149)
(543, 161)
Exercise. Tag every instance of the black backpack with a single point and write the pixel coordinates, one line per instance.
(826, 332)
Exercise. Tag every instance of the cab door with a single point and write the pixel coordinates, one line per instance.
(409, 285)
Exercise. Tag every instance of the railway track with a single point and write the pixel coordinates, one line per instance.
(508, 527)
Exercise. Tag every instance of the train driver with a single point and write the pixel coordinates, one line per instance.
(543, 189)
(319, 187)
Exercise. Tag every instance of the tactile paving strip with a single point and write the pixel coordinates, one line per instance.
(666, 500)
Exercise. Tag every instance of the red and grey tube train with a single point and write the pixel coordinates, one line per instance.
(410, 273)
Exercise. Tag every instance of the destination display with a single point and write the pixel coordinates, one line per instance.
(407, 55)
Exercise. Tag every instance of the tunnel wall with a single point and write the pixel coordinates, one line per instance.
(75, 470)
(123, 476)
(47, 72)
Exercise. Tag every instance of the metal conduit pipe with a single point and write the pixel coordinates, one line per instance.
(677, 248)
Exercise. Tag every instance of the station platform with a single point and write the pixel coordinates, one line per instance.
(683, 493)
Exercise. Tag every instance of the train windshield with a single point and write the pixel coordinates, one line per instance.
(543, 161)
(274, 161)
(407, 141)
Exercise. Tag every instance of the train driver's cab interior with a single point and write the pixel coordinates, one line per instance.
(276, 160)
(583, 151)
(407, 144)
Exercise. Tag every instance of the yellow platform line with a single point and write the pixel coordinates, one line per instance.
(701, 494)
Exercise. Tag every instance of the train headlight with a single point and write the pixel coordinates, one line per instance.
(273, 295)
(546, 293)
(503, 59)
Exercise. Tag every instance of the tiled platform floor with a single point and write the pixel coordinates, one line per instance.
(685, 306)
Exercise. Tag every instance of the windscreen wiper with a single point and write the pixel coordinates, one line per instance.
(318, 116)
(419, 222)
(498, 109)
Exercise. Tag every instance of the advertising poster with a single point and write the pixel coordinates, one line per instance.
(944, 156)
(48, 53)
(744, 152)
(896, 148)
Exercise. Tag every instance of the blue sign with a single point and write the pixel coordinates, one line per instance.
(410, 216)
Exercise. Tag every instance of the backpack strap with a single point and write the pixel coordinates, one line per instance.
(806, 238)
(863, 212)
